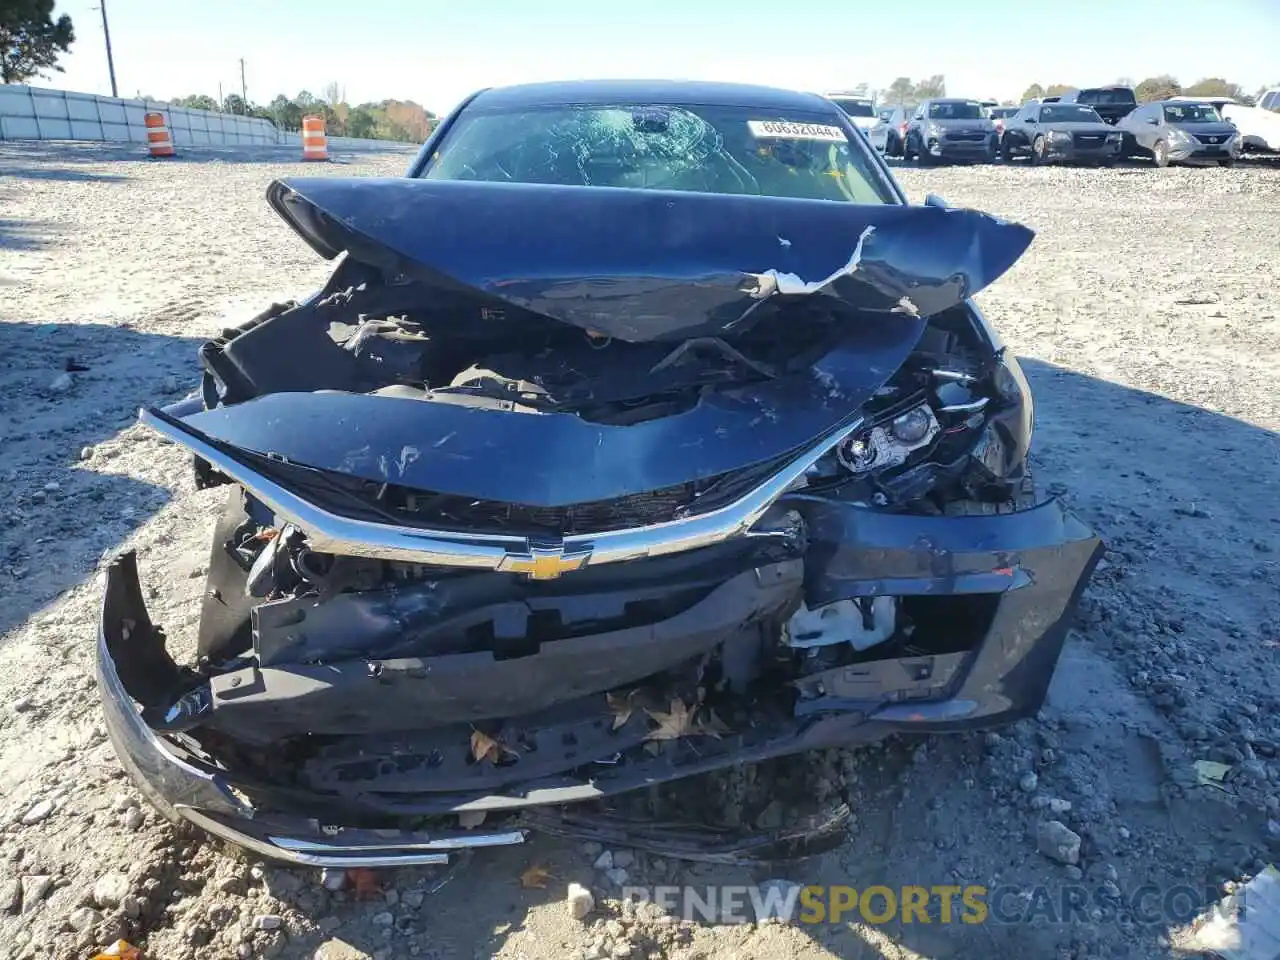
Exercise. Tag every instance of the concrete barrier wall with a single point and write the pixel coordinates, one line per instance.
(35, 113)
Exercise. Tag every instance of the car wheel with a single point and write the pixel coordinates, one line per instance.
(1225, 163)
(992, 150)
(1039, 150)
(1160, 154)
(1006, 151)
(906, 149)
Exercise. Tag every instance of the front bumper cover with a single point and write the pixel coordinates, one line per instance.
(1030, 566)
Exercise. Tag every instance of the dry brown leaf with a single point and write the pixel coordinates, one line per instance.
(535, 878)
(671, 726)
(484, 747)
(622, 707)
(365, 883)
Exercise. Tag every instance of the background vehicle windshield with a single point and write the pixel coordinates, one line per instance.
(886, 114)
(1106, 96)
(855, 108)
(1069, 113)
(1000, 113)
(1191, 113)
(706, 149)
(955, 110)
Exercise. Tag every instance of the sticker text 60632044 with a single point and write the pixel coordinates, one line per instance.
(785, 130)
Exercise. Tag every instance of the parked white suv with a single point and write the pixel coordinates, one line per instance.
(861, 112)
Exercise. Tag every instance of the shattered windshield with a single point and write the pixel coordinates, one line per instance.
(701, 148)
(1069, 113)
(1192, 113)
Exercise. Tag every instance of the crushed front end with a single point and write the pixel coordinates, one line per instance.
(505, 533)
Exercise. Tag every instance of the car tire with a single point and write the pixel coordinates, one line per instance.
(1039, 151)
(906, 149)
(1226, 163)
(1160, 154)
(1006, 148)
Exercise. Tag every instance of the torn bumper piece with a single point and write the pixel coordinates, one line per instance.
(1021, 573)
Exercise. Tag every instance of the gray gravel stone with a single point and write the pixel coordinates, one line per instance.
(267, 921)
(580, 901)
(34, 889)
(40, 810)
(1057, 842)
(604, 861)
(110, 889)
(85, 918)
(383, 919)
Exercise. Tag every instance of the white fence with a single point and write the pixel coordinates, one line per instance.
(34, 113)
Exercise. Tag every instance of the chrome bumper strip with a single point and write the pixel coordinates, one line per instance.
(313, 853)
(331, 533)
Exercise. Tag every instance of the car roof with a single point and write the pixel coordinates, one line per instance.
(649, 91)
(1183, 98)
(849, 96)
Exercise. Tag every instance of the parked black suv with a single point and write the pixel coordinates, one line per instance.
(950, 129)
(1112, 103)
(1069, 132)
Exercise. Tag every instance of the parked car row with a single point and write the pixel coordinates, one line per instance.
(1092, 125)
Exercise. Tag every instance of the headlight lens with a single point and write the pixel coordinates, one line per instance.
(1113, 138)
(1059, 135)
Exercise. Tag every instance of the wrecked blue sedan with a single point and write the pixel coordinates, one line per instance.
(642, 430)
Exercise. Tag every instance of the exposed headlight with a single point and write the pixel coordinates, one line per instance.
(888, 445)
(1059, 135)
(1179, 136)
(933, 130)
(1113, 137)
(912, 426)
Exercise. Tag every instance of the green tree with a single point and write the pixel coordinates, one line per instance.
(234, 103)
(900, 92)
(935, 86)
(362, 123)
(30, 39)
(286, 114)
(1033, 92)
(1157, 88)
(1057, 89)
(1214, 87)
(197, 101)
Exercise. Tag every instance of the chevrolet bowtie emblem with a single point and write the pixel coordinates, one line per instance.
(545, 563)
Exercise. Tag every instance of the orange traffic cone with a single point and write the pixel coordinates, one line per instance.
(158, 136)
(315, 146)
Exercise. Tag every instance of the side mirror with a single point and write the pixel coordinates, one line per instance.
(1029, 120)
(1154, 121)
(933, 200)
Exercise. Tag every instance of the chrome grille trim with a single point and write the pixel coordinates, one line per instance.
(331, 533)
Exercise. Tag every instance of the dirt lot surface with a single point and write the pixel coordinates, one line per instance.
(1148, 314)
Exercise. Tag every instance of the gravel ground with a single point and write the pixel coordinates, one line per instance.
(1146, 312)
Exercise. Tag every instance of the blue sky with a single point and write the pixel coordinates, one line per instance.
(438, 51)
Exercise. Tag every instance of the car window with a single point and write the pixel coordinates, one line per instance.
(854, 108)
(700, 148)
(1069, 113)
(1117, 96)
(955, 110)
(1270, 100)
(1191, 113)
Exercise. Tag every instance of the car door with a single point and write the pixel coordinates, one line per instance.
(1143, 126)
(1028, 125)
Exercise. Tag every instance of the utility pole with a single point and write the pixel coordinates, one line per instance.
(244, 91)
(106, 32)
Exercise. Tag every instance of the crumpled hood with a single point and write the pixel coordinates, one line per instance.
(654, 265)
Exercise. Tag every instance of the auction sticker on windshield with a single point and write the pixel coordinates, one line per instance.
(784, 130)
